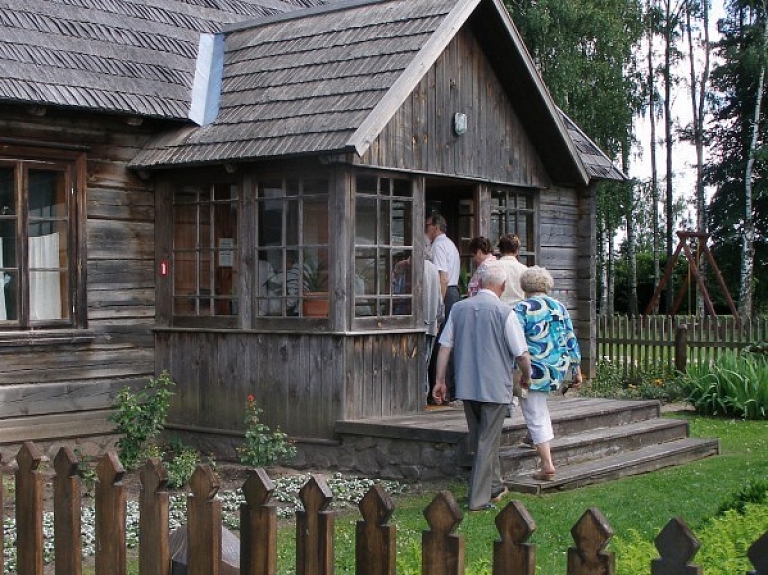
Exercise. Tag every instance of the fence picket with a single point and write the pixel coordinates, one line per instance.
(758, 555)
(67, 500)
(442, 552)
(512, 555)
(258, 526)
(29, 506)
(591, 534)
(375, 538)
(677, 546)
(154, 553)
(110, 517)
(204, 523)
(314, 529)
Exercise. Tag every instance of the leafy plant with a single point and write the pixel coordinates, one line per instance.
(654, 383)
(140, 417)
(262, 446)
(733, 385)
(180, 461)
(753, 491)
(315, 276)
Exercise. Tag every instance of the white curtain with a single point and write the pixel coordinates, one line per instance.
(3, 312)
(44, 285)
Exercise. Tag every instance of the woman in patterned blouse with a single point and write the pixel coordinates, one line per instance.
(554, 352)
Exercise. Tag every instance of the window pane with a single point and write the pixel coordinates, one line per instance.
(47, 295)
(315, 220)
(9, 295)
(384, 223)
(402, 230)
(365, 271)
(292, 223)
(7, 243)
(185, 226)
(185, 273)
(7, 191)
(365, 221)
(269, 279)
(403, 188)
(47, 195)
(367, 185)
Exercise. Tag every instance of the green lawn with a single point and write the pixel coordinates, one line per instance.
(645, 503)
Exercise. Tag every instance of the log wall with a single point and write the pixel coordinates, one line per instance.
(74, 371)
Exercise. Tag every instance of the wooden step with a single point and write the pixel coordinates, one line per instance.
(624, 464)
(594, 443)
(56, 426)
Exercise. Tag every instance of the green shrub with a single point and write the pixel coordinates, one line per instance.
(140, 418)
(262, 446)
(754, 491)
(180, 461)
(735, 384)
(655, 383)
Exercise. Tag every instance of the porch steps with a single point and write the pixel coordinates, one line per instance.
(595, 440)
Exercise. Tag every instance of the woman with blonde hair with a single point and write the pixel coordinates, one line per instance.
(554, 353)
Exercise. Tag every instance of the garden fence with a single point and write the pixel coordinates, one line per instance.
(443, 551)
(654, 343)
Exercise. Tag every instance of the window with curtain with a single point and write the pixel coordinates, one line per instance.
(293, 237)
(38, 200)
(383, 246)
(205, 250)
(512, 212)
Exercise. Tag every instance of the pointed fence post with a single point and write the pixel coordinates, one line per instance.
(512, 555)
(29, 507)
(677, 546)
(2, 531)
(67, 499)
(258, 526)
(758, 555)
(204, 523)
(375, 538)
(442, 553)
(110, 517)
(591, 534)
(154, 555)
(314, 529)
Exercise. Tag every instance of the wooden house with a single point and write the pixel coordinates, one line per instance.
(183, 183)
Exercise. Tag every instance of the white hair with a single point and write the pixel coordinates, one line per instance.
(492, 273)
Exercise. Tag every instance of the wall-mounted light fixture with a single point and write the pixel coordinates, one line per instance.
(459, 124)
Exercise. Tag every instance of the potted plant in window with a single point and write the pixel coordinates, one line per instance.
(315, 278)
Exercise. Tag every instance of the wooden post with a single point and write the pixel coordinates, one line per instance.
(591, 534)
(204, 523)
(758, 555)
(314, 529)
(110, 517)
(29, 511)
(512, 555)
(677, 546)
(375, 538)
(681, 348)
(154, 555)
(258, 526)
(442, 552)
(66, 505)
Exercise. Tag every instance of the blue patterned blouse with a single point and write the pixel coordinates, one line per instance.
(551, 342)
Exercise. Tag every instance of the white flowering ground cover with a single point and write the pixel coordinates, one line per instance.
(347, 492)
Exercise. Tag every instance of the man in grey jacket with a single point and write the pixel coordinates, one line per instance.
(486, 339)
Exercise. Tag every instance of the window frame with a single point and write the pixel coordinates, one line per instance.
(72, 162)
(529, 255)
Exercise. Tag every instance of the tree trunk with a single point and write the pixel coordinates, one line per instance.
(654, 169)
(668, 141)
(748, 243)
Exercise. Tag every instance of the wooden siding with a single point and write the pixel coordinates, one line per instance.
(420, 136)
(73, 371)
(304, 382)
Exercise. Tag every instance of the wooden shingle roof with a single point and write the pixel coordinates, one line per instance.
(136, 57)
(307, 81)
(598, 165)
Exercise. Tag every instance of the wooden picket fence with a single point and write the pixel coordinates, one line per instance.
(443, 551)
(656, 343)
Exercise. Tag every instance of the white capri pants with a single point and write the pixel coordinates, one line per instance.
(536, 414)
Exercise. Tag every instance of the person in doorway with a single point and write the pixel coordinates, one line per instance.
(554, 355)
(487, 340)
(432, 308)
(482, 252)
(445, 256)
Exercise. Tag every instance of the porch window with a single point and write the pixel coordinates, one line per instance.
(512, 212)
(383, 246)
(293, 237)
(205, 250)
(38, 206)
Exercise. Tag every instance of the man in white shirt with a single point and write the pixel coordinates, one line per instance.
(445, 256)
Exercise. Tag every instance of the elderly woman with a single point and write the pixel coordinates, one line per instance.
(554, 353)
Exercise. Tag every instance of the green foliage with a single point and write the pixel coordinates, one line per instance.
(753, 491)
(180, 461)
(262, 446)
(656, 383)
(140, 417)
(732, 385)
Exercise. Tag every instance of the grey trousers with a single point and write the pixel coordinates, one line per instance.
(485, 422)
